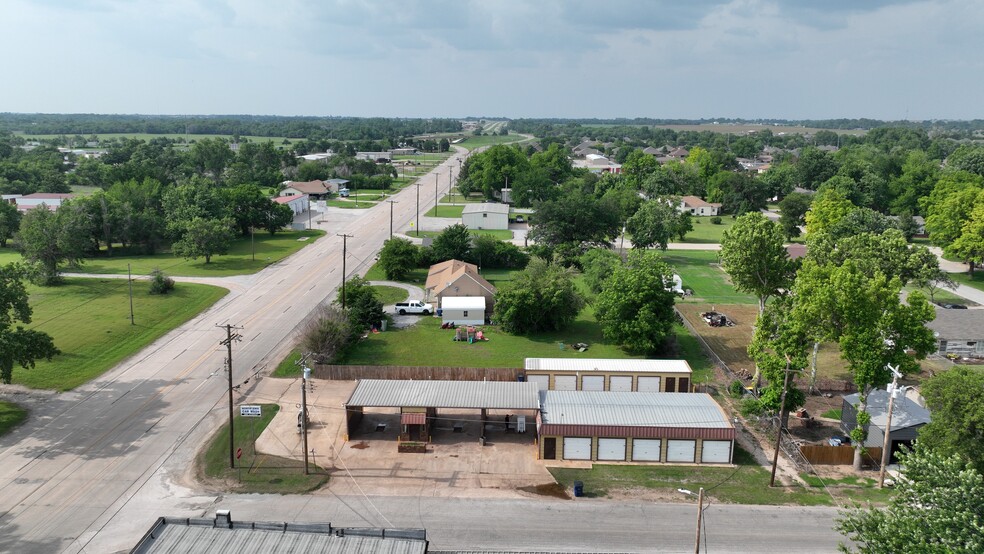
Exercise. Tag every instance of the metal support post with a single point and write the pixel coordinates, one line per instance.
(886, 443)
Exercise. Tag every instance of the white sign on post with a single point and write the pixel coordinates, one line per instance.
(250, 410)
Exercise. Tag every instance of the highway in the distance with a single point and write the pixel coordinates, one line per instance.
(93, 468)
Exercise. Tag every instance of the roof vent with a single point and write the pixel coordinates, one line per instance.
(223, 518)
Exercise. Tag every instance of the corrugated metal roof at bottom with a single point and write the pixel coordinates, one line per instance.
(196, 539)
(445, 394)
(632, 409)
(605, 364)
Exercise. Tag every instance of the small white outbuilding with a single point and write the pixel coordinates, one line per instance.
(463, 310)
(487, 215)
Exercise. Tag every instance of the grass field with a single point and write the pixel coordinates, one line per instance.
(89, 320)
(706, 232)
(239, 260)
(501, 234)
(425, 156)
(445, 211)
(746, 484)
(389, 295)
(458, 198)
(349, 204)
(11, 415)
(255, 473)
(976, 281)
(474, 142)
(700, 271)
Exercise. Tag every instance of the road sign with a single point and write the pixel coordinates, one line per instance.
(250, 410)
(239, 453)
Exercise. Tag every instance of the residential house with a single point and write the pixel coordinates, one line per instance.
(457, 278)
(50, 200)
(959, 332)
(697, 206)
(334, 185)
(679, 153)
(316, 190)
(487, 215)
(907, 418)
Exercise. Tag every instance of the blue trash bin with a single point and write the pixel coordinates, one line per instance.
(578, 488)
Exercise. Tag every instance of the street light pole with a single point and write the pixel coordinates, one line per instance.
(888, 426)
(418, 209)
(700, 513)
(344, 255)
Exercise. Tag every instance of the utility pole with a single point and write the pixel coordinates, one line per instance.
(437, 180)
(782, 409)
(304, 415)
(252, 243)
(391, 202)
(418, 209)
(344, 253)
(129, 280)
(230, 338)
(700, 516)
(888, 426)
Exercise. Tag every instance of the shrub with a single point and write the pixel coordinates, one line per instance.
(160, 283)
(716, 220)
(328, 336)
(736, 389)
(751, 406)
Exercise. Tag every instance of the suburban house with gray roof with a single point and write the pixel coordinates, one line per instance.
(907, 418)
(959, 332)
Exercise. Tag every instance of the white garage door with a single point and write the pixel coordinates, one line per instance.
(621, 384)
(542, 381)
(715, 452)
(646, 450)
(565, 382)
(593, 382)
(648, 384)
(611, 449)
(680, 451)
(577, 449)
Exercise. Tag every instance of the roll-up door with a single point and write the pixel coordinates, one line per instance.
(611, 449)
(542, 381)
(565, 382)
(577, 448)
(680, 450)
(646, 450)
(621, 383)
(593, 382)
(715, 452)
(648, 384)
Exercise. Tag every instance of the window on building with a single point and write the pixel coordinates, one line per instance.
(464, 314)
(485, 215)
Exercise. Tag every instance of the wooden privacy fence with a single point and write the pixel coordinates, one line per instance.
(353, 372)
(839, 455)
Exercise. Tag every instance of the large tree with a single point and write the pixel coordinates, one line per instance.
(18, 345)
(654, 224)
(938, 507)
(792, 212)
(46, 242)
(955, 399)
(577, 219)
(398, 257)
(204, 238)
(454, 243)
(755, 257)
(10, 219)
(542, 297)
(362, 304)
(635, 306)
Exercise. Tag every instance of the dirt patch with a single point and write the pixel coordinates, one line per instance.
(360, 445)
(553, 490)
(729, 343)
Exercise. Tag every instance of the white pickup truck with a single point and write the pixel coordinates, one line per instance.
(414, 307)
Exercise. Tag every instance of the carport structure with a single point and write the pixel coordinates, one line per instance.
(419, 401)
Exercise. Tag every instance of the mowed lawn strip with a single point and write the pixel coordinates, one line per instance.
(445, 211)
(701, 271)
(706, 232)
(239, 261)
(746, 484)
(501, 234)
(390, 295)
(11, 415)
(89, 320)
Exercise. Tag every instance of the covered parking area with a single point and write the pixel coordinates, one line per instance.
(419, 404)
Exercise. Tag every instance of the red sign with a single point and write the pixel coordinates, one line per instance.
(239, 453)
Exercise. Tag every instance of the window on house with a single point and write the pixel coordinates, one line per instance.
(485, 215)
(464, 314)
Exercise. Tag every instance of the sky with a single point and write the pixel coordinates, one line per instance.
(691, 59)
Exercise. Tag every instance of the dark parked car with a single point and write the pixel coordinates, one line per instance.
(955, 306)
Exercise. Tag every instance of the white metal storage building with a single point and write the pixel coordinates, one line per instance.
(618, 375)
(634, 426)
(487, 215)
(463, 310)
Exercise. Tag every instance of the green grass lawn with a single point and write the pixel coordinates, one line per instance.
(239, 260)
(945, 296)
(976, 281)
(445, 211)
(256, 473)
(474, 142)
(706, 232)
(349, 204)
(832, 414)
(746, 484)
(700, 271)
(418, 275)
(501, 234)
(459, 199)
(11, 415)
(390, 295)
(89, 320)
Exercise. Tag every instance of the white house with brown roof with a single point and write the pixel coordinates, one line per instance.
(697, 206)
(316, 189)
(458, 278)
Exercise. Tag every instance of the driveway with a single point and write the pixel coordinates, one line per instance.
(413, 293)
